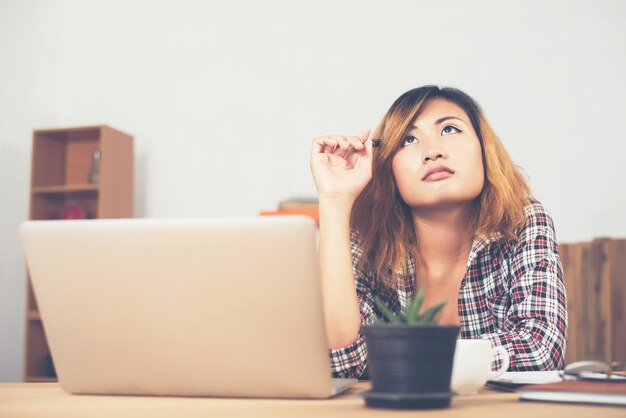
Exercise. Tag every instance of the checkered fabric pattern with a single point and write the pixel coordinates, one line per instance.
(512, 294)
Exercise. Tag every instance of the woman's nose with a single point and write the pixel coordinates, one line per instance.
(434, 154)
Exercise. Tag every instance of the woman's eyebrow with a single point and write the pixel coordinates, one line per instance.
(441, 120)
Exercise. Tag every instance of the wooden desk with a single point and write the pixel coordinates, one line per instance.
(48, 400)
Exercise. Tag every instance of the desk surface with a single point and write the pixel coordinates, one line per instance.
(48, 400)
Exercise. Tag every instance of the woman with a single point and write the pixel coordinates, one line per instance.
(437, 205)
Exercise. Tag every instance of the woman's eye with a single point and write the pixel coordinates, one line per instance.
(409, 140)
(448, 129)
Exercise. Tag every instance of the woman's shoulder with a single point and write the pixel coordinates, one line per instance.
(537, 215)
(538, 222)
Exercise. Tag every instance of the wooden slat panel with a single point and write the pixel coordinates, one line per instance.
(571, 261)
(575, 259)
(617, 277)
(595, 279)
(597, 292)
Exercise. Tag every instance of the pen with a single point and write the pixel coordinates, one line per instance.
(375, 144)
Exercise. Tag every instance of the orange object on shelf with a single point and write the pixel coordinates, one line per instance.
(312, 213)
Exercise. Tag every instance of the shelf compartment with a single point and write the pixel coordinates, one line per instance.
(48, 206)
(39, 361)
(63, 157)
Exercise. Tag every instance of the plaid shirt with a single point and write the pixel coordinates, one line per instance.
(512, 294)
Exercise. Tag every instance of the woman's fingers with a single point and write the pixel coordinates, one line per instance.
(366, 154)
(360, 148)
(348, 148)
(323, 144)
(348, 145)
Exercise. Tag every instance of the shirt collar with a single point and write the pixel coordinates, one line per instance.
(479, 244)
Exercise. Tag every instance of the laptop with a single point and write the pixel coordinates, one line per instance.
(211, 307)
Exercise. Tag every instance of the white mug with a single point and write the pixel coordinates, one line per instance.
(472, 365)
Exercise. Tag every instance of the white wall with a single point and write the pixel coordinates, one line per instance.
(224, 98)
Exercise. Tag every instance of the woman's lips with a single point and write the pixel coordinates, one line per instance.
(438, 174)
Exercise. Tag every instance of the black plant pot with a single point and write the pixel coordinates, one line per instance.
(410, 366)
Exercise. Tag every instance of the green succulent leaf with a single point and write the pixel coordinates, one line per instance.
(428, 317)
(413, 307)
(388, 314)
(411, 314)
(378, 321)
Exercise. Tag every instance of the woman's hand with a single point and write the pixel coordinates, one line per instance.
(341, 165)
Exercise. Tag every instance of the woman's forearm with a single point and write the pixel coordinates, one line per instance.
(341, 305)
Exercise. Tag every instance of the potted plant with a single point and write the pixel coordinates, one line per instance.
(410, 357)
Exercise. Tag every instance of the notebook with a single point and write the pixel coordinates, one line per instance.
(211, 307)
(580, 391)
(511, 381)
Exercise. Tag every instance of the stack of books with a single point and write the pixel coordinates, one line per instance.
(549, 386)
(296, 206)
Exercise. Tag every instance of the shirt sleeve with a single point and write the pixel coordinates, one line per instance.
(350, 361)
(534, 331)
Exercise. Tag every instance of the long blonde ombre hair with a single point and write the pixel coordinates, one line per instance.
(382, 218)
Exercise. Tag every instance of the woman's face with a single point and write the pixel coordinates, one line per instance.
(440, 162)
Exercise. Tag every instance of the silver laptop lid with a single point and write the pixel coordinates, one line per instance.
(215, 307)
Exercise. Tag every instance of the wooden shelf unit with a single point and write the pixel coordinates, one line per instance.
(61, 163)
